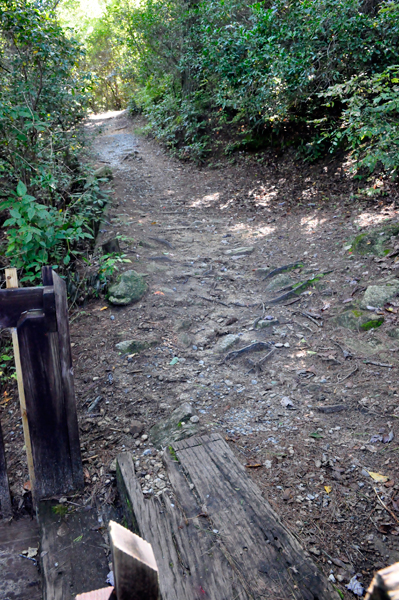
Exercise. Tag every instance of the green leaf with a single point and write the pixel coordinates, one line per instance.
(21, 189)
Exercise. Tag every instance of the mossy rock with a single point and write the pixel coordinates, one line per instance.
(394, 333)
(103, 172)
(135, 346)
(359, 320)
(130, 287)
(376, 242)
(177, 427)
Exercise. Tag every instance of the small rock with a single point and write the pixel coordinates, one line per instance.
(239, 251)
(172, 429)
(129, 287)
(136, 427)
(103, 172)
(194, 419)
(144, 437)
(112, 466)
(268, 464)
(226, 342)
(315, 551)
(135, 346)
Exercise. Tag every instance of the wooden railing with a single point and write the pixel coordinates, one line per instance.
(38, 319)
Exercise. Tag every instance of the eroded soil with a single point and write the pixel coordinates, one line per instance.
(320, 412)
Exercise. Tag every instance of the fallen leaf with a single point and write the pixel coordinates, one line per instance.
(316, 435)
(159, 294)
(174, 361)
(328, 488)
(103, 308)
(27, 486)
(256, 466)
(378, 477)
(30, 552)
(389, 483)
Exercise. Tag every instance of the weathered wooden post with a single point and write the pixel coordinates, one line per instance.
(5, 498)
(385, 584)
(39, 320)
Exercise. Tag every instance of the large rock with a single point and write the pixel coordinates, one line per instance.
(135, 346)
(359, 320)
(129, 287)
(103, 172)
(378, 295)
(375, 242)
(177, 427)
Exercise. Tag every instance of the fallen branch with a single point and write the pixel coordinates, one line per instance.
(377, 364)
(347, 376)
(257, 366)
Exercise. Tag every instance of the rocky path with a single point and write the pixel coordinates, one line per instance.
(263, 315)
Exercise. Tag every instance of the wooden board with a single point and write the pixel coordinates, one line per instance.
(65, 357)
(19, 577)
(72, 553)
(385, 584)
(221, 539)
(45, 410)
(5, 498)
(14, 302)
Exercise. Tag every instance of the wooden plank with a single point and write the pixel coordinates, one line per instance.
(385, 584)
(13, 302)
(5, 498)
(45, 410)
(103, 594)
(65, 357)
(190, 559)
(20, 578)
(11, 282)
(72, 556)
(134, 566)
(267, 556)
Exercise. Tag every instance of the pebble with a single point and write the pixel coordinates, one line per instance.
(194, 419)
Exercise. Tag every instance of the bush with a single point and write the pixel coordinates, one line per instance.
(43, 100)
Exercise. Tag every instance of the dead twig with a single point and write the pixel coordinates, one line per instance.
(257, 366)
(347, 376)
(313, 319)
(385, 506)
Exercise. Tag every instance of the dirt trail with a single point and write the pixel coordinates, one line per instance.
(314, 414)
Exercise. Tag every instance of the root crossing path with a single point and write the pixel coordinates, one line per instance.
(258, 314)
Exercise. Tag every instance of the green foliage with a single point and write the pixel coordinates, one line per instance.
(370, 119)
(52, 200)
(260, 73)
(39, 235)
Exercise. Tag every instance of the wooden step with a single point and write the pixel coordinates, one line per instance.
(72, 553)
(218, 538)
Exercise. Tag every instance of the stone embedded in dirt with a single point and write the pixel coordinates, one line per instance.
(394, 333)
(194, 419)
(377, 242)
(261, 273)
(278, 282)
(359, 320)
(226, 342)
(135, 346)
(262, 323)
(129, 287)
(136, 427)
(185, 339)
(177, 427)
(183, 325)
(112, 466)
(378, 295)
(103, 172)
(239, 251)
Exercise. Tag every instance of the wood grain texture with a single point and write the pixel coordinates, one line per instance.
(385, 584)
(218, 537)
(12, 282)
(191, 563)
(13, 302)
(134, 566)
(45, 410)
(266, 555)
(65, 357)
(5, 498)
(72, 556)
(103, 594)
